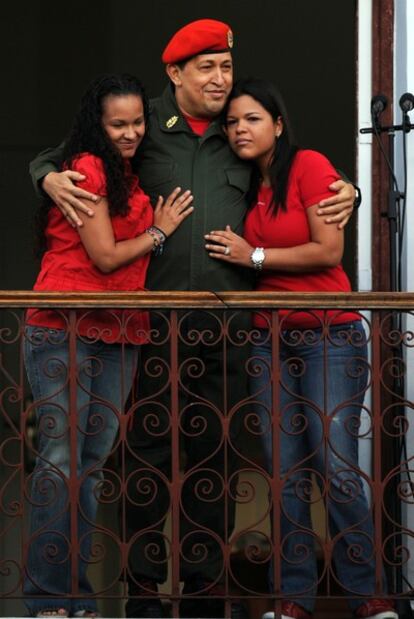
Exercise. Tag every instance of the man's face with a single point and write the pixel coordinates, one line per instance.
(203, 84)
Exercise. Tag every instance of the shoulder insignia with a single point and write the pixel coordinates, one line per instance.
(171, 122)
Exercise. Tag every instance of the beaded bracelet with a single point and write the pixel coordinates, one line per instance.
(161, 233)
(159, 237)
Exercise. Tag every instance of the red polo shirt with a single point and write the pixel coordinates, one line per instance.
(66, 265)
(310, 176)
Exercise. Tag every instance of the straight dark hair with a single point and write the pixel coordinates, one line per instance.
(266, 93)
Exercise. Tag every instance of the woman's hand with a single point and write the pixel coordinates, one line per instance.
(61, 188)
(338, 209)
(228, 246)
(169, 214)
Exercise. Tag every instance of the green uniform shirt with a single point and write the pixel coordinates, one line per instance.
(173, 156)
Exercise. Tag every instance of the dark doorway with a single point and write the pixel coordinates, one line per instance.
(51, 50)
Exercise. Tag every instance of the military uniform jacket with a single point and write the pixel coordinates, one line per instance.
(173, 156)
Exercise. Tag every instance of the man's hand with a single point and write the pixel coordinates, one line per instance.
(60, 186)
(338, 209)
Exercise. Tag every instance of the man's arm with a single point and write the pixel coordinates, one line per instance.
(338, 209)
(60, 186)
(49, 160)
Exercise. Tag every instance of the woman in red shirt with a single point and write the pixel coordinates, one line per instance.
(323, 355)
(110, 251)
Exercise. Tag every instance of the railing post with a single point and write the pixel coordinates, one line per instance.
(73, 468)
(275, 480)
(175, 466)
(377, 485)
(225, 430)
(23, 430)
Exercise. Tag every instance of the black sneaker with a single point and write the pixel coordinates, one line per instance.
(210, 607)
(139, 605)
(239, 610)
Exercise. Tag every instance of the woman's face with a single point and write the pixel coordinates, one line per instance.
(251, 130)
(124, 122)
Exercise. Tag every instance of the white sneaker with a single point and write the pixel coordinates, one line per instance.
(271, 615)
(290, 610)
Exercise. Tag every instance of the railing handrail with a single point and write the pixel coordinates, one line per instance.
(208, 300)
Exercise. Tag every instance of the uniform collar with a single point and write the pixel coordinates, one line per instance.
(171, 119)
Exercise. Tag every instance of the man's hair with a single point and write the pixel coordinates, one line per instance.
(181, 64)
(269, 97)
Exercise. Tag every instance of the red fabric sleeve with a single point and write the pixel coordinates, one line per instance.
(315, 176)
(92, 167)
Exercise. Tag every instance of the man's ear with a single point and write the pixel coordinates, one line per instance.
(174, 73)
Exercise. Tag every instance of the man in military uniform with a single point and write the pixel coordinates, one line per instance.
(186, 147)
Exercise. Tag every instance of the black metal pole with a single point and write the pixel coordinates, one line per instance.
(393, 199)
(397, 383)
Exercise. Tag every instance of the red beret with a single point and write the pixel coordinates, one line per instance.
(199, 37)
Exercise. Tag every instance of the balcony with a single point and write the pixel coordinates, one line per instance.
(192, 487)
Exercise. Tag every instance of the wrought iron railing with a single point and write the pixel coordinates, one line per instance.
(219, 472)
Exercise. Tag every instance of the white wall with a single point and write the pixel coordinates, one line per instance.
(404, 82)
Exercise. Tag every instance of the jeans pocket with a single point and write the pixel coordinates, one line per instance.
(349, 333)
(41, 336)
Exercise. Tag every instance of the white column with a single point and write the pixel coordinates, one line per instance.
(364, 143)
(364, 172)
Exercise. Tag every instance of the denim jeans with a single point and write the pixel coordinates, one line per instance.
(70, 458)
(322, 382)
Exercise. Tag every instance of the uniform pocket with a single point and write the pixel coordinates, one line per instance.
(228, 199)
(238, 177)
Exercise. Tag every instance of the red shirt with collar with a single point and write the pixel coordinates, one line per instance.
(66, 265)
(197, 125)
(309, 179)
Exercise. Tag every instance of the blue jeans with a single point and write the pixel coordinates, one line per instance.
(321, 384)
(78, 404)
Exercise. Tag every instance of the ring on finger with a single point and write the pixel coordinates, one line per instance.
(227, 251)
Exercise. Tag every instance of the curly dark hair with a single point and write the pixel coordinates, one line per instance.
(88, 135)
(266, 93)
